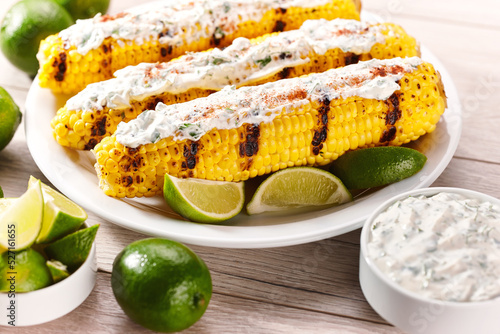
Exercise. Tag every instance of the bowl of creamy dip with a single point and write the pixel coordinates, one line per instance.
(430, 261)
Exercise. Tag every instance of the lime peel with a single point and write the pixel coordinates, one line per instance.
(73, 249)
(204, 201)
(298, 187)
(377, 166)
(84, 9)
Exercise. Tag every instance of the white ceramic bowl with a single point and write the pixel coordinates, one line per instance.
(409, 311)
(52, 302)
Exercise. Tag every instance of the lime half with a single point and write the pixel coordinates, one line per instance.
(21, 220)
(61, 216)
(377, 166)
(204, 201)
(298, 187)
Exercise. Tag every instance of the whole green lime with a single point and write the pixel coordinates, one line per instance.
(161, 284)
(84, 9)
(377, 166)
(25, 25)
(10, 117)
(23, 271)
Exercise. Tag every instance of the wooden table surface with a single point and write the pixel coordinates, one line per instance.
(308, 288)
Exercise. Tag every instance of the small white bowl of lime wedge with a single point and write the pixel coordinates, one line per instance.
(47, 256)
(47, 304)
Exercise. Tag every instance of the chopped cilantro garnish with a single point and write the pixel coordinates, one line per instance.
(217, 61)
(156, 136)
(219, 33)
(263, 62)
(184, 126)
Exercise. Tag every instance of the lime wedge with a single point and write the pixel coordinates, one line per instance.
(27, 273)
(21, 220)
(61, 216)
(58, 270)
(204, 201)
(5, 203)
(73, 249)
(377, 166)
(298, 187)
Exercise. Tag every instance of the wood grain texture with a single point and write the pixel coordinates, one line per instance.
(310, 288)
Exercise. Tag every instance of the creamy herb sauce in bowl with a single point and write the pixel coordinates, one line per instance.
(445, 246)
(430, 261)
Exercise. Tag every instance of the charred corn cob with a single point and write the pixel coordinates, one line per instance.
(318, 45)
(236, 134)
(92, 50)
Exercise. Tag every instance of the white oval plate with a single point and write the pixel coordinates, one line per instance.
(73, 174)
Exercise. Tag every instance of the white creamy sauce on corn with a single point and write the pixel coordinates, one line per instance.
(238, 64)
(231, 107)
(444, 247)
(181, 21)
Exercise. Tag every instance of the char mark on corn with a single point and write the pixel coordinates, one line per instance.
(394, 113)
(351, 58)
(279, 26)
(190, 151)
(250, 146)
(321, 133)
(391, 117)
(59, 64)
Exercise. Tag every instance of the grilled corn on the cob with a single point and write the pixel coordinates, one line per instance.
(92, 50)
(236, 134)
(318, 45)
